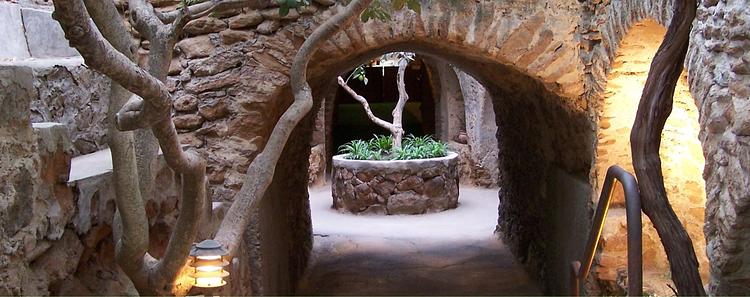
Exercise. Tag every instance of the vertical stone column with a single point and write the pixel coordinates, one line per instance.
(481, 130)
(449, 111)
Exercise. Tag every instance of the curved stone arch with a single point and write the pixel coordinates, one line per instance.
(603, 26)
(528, 59)
(532, 60)
(484, 32)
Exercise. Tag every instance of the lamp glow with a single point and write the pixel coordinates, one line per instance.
(208, 264)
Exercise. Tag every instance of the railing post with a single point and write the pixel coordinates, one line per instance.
(633, 215)
(575, 284)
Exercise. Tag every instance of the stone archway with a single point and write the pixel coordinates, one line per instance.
(541, 66)
(528, 62)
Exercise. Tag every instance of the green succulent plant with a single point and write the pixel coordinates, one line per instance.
(380, 147)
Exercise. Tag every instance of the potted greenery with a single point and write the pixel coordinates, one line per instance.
(392, 175)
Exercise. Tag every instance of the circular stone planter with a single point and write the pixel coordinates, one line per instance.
(395, 187)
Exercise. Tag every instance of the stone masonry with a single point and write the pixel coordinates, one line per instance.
(718, 66)
(545, 65)
(395, 187)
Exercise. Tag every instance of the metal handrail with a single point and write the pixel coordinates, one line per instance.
(633, 213)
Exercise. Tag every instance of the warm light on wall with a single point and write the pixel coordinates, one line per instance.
(208, 264)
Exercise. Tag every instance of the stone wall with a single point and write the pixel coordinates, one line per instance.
(481, 131)
(545, 65)
(56, 213)
(30, 32)
(68, 92)
(395, 187)
(718, 66)
(227, 117)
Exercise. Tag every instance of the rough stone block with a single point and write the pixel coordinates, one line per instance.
(11, 29)
(44, 35)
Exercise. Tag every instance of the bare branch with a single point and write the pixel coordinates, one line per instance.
(193, 191)
(645, 138)
(366, 106)
(130, 209)
(261, 170)
(144, 18)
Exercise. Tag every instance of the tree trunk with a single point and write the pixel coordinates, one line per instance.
(261, 170)
(653, 111)
(398, 111)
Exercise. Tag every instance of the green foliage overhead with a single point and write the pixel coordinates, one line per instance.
(286, 5)
(380, 147)
(358, 74)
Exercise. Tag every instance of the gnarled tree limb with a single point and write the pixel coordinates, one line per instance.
(148, 275)
(261, 170)
(653, 111)
(131, 216)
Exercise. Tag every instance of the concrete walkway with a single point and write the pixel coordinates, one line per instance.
(449, 253)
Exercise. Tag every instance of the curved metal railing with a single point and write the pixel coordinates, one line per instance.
(633, 212)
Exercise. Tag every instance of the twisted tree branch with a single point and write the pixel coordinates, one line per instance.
(366, 106)
(653, 111)
(148, 275)
(261, 170)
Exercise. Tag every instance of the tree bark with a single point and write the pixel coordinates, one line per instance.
(261, 170)
(130, 217)
(148, 275)
(398, 111)
(653, 111)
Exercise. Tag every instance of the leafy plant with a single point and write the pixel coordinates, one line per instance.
(286, 5)
(358, 74)
(381, 144)
(380, 148)
(357, 150)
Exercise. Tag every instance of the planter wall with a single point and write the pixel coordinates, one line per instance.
(395, 187)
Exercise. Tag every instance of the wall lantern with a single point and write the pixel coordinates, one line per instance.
(208, 264)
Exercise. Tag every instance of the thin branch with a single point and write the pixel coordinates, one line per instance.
(261, 170)
(366, 106)
(131, 213)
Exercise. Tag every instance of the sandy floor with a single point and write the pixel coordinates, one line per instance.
(449, 253)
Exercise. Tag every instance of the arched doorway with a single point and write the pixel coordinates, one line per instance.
(548, 138)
